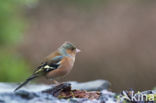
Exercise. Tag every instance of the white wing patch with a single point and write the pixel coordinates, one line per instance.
(47, 67)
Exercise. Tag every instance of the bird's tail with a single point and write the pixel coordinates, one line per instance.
(25, 82)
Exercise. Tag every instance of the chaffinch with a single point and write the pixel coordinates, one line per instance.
(57, 64)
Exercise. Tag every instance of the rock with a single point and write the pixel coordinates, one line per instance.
(26, 95)
(58, 89)
(9, 87)
(64, 91)
(96, 85)
(39, 93)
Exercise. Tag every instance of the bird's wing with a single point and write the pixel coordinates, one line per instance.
(49, 65)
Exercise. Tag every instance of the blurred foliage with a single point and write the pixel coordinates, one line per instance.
(11, 21)
(12, 25)
(12, 66)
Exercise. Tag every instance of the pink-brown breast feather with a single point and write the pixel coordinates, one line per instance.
(64, 69)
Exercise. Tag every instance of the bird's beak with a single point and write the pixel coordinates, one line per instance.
(78, 50)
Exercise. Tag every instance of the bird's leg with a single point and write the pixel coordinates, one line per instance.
(53, 81)
(56, 82)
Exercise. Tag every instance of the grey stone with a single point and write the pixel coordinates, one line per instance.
(31, 93)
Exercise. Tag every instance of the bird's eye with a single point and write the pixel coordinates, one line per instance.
(72, 49)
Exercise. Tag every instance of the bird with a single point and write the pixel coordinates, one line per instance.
(58, 64)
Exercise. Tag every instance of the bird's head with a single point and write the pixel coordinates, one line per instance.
(70, 48)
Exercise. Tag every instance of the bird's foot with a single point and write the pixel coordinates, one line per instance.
(56, 82)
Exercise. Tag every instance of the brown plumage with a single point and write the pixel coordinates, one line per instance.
(57, 64)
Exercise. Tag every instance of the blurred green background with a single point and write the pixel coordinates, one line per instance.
(117, 39)
(13, 67)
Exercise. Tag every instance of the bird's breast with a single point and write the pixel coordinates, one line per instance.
(65, 68)
(67, 64)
